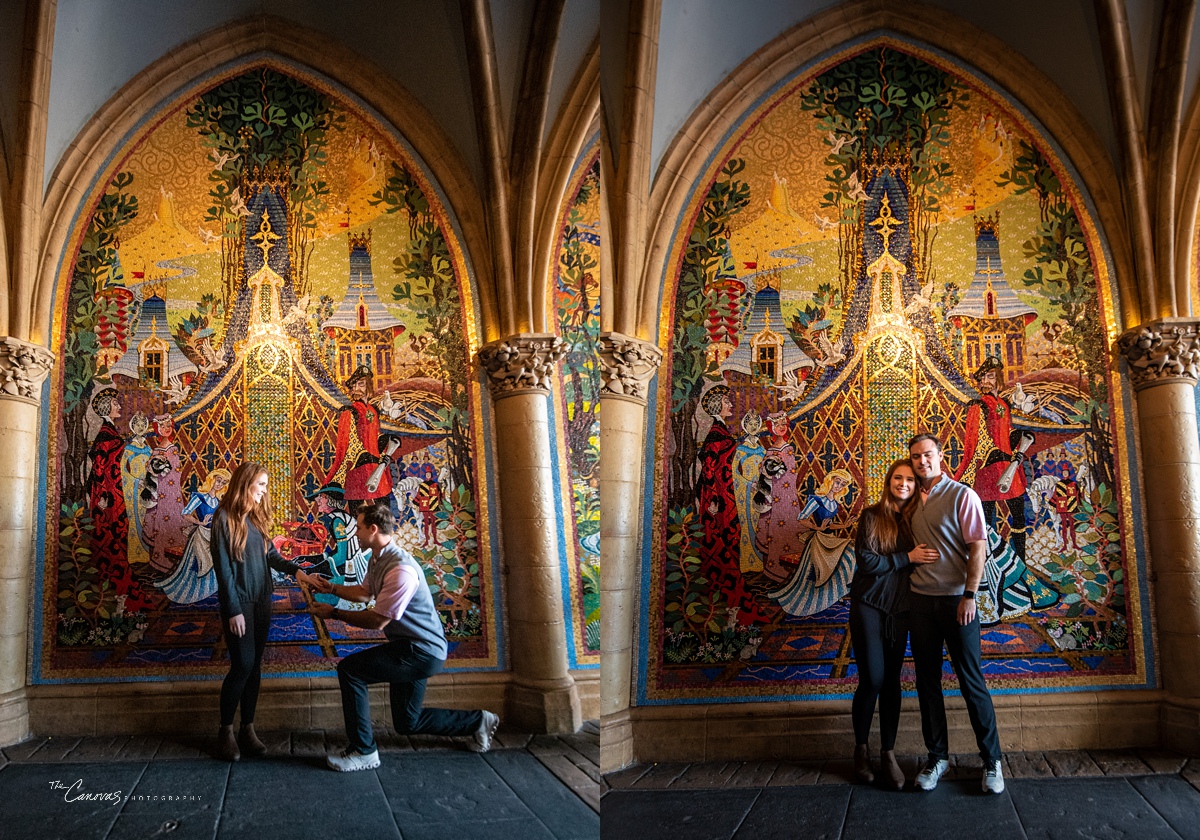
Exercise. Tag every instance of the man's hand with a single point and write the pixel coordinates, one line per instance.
(237, 625)
(922, 555)
(966, 611)
(322, 610)
(317, 582)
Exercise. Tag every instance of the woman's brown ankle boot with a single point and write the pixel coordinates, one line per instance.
(227, 746)
(862, 764)
(249, 740)
(889, 770)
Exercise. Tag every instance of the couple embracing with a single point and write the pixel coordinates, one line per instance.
(921, 551)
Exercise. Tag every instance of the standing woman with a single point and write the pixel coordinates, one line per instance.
(878, 617)
(243, 557)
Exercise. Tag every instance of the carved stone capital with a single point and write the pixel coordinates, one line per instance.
(627, 365)
(23, 368)
(522, 364)
(1163, 351)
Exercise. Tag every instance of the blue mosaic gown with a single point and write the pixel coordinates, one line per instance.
(1009, 589)
(194, 579)
(806, 594)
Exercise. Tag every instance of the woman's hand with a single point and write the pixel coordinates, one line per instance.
(237, 625)
(922, 555)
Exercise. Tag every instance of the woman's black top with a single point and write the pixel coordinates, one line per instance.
(881, 580)
(248, 581)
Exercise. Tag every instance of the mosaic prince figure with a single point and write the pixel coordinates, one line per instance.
(358, 441)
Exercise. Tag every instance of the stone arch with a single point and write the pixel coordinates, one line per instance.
(862, 355)
(831, 31)
(275, 382)
(242, 43)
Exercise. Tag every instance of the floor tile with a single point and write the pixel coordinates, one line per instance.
(1175, 800)
(816, 812)
(941, 814)
(446, 788)
(675, 814)
(45, 800)
(562, 811)
(276, 800)
(1051, 809)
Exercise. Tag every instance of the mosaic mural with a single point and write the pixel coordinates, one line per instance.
(577, 309)
(266, 275)
(886, 246)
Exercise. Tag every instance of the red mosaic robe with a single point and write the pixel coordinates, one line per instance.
(720, 543)
(357, 453)
(110, 534)
(988, 450)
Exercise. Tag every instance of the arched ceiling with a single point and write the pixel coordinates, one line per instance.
(702, 41)
(99, 45)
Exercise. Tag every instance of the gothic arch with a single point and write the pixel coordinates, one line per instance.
(831, 32)
(226, 50)
(797, 311)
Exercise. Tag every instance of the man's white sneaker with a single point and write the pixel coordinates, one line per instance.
(351, 759)
(481, 741)
(993, 777)
(931, 773)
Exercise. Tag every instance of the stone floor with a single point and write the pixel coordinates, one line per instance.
(1106, 795)
(535, 787)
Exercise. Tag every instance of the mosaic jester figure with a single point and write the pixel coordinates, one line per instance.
(344, 559)
(720, 543)
(358, 445)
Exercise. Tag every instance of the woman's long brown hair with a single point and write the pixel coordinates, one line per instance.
(239, 506)
(883, 532)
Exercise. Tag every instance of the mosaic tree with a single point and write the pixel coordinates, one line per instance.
(695, 298)
(257, 121)
(877, 101)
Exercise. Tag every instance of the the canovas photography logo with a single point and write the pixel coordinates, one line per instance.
(78, 791)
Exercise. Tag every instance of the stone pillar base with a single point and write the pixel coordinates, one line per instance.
(14, 718)
(1181, 725)
(616, 741)
(548, 706)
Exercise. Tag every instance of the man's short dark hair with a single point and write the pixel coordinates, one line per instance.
(924, 436)
(379, 515)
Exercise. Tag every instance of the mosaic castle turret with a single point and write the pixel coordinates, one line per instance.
(362, 329)
(990, 315)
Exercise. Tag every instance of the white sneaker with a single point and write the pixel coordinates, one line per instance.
(993, 777)
(351, 759)
(481, 741)
(933, 771)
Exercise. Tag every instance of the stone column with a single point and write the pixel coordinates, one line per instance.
(1164, 360)
(542, 697)
(628, 364)
(23, 368)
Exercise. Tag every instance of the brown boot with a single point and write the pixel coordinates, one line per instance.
(889, 770)
(862, 764)
(249, 740)
(227, 746)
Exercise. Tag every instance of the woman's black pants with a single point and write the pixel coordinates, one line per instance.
(245, 663)
(879, 654)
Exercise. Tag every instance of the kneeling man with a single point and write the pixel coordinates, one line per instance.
(415, 649)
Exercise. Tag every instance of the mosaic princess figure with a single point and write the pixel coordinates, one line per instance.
(778, 535)
(827, 564)
(747, 460)
(134, 459)
(194, 579)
